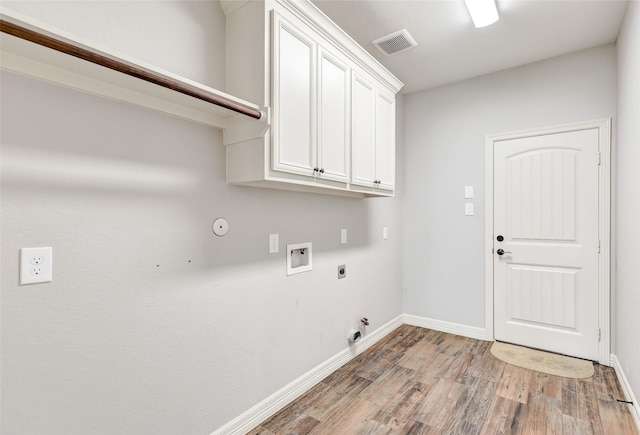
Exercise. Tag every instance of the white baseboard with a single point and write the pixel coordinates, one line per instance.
(634, 407)
(449, 327)
(281, 398)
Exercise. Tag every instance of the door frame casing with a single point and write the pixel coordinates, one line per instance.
(604, 223)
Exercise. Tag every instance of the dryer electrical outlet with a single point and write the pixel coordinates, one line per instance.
(342, 271)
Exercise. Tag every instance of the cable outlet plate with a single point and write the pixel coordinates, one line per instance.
(36, 265)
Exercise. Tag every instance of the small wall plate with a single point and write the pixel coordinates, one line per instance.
(220, 227)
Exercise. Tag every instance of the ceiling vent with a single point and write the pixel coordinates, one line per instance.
(395, 42)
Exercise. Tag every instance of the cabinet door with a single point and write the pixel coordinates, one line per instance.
(294, 65)
(363, 131)
(333, 117)
(385, 140)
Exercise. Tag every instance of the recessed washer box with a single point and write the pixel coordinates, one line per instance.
(299, 258)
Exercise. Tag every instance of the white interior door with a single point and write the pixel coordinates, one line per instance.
(546, 210)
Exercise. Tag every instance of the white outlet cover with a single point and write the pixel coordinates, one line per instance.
(385, 233)
(36, 265)
(343, 236)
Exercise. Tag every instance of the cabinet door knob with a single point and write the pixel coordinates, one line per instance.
(316, 169)
(322, 171)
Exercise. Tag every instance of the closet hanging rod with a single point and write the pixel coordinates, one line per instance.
(71, 49)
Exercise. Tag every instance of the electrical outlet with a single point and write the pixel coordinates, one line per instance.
(36, 259)
(36, 265)
(343, 236)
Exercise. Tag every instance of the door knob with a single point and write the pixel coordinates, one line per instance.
(502, 252)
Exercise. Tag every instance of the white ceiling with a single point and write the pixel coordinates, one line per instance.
(450, 48)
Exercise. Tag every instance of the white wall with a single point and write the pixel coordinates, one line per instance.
(152, 324)
(628, 198)
(445, 130)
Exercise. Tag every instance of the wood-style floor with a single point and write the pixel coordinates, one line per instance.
(419, 381)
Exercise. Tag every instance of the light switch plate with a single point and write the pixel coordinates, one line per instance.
(274, 243)
(468, 192)
(343, 236)
(36, 265)
(385, 233)
(468, 209)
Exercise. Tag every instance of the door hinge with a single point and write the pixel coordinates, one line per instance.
(599, 334)
(598, 246)
(599, 159)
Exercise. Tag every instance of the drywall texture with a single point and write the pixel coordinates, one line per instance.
(152, 324)
(445, 130)
(628, 199)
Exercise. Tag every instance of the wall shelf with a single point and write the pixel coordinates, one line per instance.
(34, 50)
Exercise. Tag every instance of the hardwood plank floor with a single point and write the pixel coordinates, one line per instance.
(419, 381)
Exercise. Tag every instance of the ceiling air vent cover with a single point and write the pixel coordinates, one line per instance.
(395, 42)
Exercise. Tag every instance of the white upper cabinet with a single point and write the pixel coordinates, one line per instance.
(373, 144)
(364, 100)
(331, 104)
(385, 140)
(310, 106)
(333, 117)
(294, 96)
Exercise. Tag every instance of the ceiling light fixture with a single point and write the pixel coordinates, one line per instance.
(483, 12)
